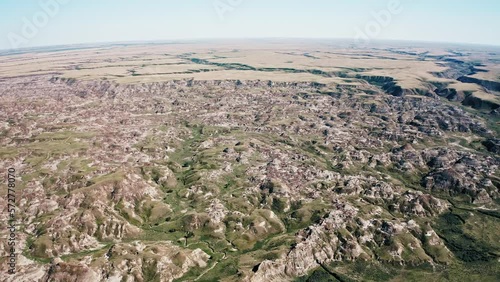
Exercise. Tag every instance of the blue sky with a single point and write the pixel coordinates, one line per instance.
(90, 21)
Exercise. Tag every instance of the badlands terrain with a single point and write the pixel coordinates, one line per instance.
(252, 161)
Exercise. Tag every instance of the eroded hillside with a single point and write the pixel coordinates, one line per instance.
(248, 180)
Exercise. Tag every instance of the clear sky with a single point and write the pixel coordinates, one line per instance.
(27, 23)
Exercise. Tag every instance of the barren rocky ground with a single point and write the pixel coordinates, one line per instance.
(182, 179)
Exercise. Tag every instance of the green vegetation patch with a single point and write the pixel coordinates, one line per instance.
(471, 236)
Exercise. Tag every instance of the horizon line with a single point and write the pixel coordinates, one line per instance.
(354, 42)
